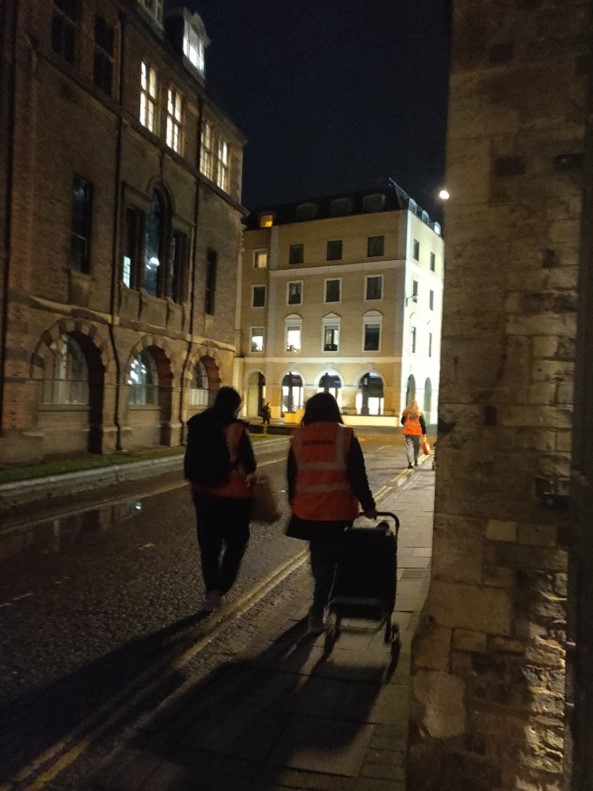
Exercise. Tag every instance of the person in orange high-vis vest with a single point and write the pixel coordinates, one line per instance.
(414, 427)
(223, 511)
(327, 487)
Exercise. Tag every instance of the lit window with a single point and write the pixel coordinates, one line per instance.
(194, 48)
(206, 154)
(200, 386)
(143, 387)
(260, 259)
(331, 333)
(222, 173)
(266, 220)
(293, 335)
(374, 287)
(67, 382)
(333, 290)
(257, 339)
(295, 293)
(258, 297)
(174, 119)
(375, 246)
(148, 96)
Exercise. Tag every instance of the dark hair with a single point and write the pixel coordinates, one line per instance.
(322, 408)
(227, 401)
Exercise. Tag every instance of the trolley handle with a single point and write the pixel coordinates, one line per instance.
(385, 513)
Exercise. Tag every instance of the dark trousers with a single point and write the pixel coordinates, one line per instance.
(324, 550)
(223, 535)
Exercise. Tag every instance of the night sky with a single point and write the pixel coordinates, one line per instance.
(332, 94)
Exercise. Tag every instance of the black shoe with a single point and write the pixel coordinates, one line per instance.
(416, 463)
(410, 466)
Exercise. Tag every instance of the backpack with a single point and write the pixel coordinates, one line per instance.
(207, 457)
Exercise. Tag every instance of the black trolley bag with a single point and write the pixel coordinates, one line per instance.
(366, 580)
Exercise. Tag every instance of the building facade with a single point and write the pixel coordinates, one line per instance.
(343, 294)
(121, 217)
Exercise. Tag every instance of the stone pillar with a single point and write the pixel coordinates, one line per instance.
(489, 658)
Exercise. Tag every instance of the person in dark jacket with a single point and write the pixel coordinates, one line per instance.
(414, 427)
(327, 487)
(223, 512)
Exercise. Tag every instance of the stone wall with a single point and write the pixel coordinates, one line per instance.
(489, 659)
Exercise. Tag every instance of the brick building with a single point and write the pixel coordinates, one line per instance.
(120, 179)
(502, 695)
(342, 293)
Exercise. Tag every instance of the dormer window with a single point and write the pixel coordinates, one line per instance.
(305, 211)
(266, 220)
(154, 8)
(340, 206)
(195, 42)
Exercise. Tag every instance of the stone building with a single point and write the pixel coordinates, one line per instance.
(120, 179)
(341, 293)
(502, 695)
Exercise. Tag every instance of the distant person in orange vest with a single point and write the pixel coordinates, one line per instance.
(327, 487)
(219, 462)
(412, 420)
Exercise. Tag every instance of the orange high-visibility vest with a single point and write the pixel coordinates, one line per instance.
(412, 426)
(322, 489)
(237, 486)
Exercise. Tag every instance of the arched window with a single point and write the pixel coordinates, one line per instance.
(331, 383)
(143, 381)
(67, 382)
(410, 389)
(154, 244)
(370, 399)
(292, 392)
(427, 399)
(200, 386)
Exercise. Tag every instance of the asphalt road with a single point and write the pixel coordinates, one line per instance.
(92, 601)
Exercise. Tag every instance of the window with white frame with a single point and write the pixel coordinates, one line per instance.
(257, 339)
(194, 48)
(372, 324)
(206, 152)
(174, 119)
(154, 8)
(414, 291)
(431, 299)
(296, 254)
(294, 292)
(413, 338)
(143, 383)
(430, 344)
(293, 329)
(260, 259)
(200, 386)
(333, 290)
(222, 171)
(416, 250)
(373, 287)
(433, 262)
(67, 380)
(258, 296)
(148, 96)
(331, 333)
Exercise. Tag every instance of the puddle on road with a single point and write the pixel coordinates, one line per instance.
(60, 533)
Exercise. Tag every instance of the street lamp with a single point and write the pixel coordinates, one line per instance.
(444, 194)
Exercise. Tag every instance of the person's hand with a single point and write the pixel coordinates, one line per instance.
(370, 513)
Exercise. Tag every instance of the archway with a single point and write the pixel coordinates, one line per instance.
(370, 399)
(256, 393)
(427, 399)
(292, 392)
(331, 383)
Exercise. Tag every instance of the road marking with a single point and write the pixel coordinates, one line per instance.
(67, 750)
